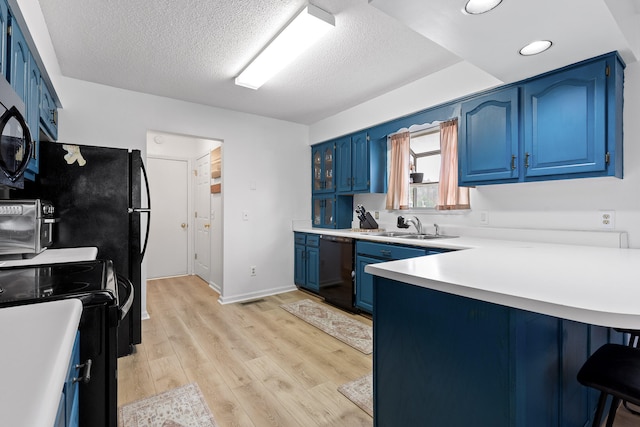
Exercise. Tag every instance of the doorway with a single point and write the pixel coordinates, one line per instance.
(202, 254)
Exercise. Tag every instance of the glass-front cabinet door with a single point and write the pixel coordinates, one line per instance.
(323, 211)
(322, 156)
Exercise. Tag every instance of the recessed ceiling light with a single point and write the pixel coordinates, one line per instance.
(476, 7)
(535, 47)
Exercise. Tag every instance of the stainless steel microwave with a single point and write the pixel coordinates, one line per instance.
(26, 226)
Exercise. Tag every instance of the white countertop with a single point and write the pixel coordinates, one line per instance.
(593, 285)
(37, 341)
(54, 256)
(590, 284)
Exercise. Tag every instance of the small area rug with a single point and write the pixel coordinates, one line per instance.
(179, 407)
(360, 392)
(352, 332)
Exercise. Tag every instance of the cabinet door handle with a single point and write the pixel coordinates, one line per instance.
(513, 162)
(86, 375)
(526, 160)
(385, 253)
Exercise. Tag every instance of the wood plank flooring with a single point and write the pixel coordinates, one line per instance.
(256, 364)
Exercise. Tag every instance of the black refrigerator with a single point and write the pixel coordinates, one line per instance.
(98, 194)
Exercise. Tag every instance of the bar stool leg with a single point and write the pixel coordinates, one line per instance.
(612, 411)
(602, 400)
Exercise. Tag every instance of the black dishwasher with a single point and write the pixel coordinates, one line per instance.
(336, 273)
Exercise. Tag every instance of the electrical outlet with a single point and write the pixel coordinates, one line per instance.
(484, 217)
(376, 215)
(252, 270)
(607, 220)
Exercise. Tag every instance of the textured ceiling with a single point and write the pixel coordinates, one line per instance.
(193, 49)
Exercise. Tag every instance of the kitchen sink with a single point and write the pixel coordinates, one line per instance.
(426, 236)
(392, 234)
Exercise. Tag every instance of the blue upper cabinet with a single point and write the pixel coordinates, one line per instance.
(48, 111)
(488, 138)
(322, 168)
(4, 24)
(343, 168)
(565, 122)
(19, 74)
(361, 164)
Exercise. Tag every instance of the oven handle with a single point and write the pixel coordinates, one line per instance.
(124, 308)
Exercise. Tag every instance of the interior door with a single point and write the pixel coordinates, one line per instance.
(168, 250)
(202, 214)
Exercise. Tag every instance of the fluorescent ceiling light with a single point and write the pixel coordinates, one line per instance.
(304, 30)
(535, 47)
(476, 7)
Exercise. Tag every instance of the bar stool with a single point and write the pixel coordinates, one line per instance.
(614, 369)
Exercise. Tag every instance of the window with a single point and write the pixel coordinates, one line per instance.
(425, 159)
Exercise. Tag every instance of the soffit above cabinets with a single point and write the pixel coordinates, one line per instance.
(579, 29)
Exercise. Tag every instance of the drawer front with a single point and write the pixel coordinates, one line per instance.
(313, 240)
(390, 252)
(300, 238)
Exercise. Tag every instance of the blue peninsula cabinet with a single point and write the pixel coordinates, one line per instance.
(445, 360)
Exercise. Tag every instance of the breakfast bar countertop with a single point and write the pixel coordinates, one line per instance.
(37, 342)
(592, 285)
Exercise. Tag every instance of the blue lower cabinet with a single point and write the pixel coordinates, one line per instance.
(442, 359)
(364, 284)
(68, 410)
(306, 261)
(372, 253)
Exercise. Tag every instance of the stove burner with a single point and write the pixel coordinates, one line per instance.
(52, 281)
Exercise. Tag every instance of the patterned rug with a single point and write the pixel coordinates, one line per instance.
(179, 407)
(360, 392)
(352, 332)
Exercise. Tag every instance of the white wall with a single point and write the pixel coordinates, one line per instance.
(565, 204)
(272, 154)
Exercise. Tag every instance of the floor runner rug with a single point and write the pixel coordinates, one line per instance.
(360, 392)
(350, 331)
(179, 407)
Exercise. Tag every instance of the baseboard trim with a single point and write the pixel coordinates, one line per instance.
(254, 295)
(215, 287)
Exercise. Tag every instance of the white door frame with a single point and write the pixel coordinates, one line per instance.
(190, 209)
(196, 189)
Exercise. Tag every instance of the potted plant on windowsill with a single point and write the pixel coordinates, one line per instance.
(415, 177)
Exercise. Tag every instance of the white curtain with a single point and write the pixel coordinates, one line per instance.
(398, 185)
(450, 196)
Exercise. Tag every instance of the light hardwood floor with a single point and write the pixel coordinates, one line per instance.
(256, 364)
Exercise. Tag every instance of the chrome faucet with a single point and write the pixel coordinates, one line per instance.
(437, 229)
(416, 223)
